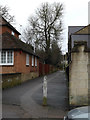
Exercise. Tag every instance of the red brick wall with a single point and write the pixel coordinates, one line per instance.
(20, 64)
(45, 69)
(41, 69)
(4, 29)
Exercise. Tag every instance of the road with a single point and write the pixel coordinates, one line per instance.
(25, 100)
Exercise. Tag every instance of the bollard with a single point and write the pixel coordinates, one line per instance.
(45, 91)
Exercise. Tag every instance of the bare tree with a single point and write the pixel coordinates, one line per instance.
(45, 26)
(4, 12)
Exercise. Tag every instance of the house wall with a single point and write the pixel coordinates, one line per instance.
(7, 29)
(19, 72)
(20, 64)
(79, 70)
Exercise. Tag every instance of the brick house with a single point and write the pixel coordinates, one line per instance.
(17, 59)
(7, 27)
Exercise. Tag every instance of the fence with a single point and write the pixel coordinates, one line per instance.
(45, 69)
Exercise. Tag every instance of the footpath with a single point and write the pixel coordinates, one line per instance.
(56, 100)
(31, 100)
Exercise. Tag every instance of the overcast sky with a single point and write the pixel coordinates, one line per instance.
(75, 12)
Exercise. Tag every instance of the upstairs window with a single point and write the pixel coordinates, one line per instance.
(27, 59)
(35, 61)
(13, 33)
(32, 60)
(6, 57)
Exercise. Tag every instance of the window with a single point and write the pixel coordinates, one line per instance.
(27, 59)
(3, 57)
(6, 57)
(32, 60)
(35, 61)
(13, 33)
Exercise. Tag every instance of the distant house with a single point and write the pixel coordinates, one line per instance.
(17, 59)
(71, 31)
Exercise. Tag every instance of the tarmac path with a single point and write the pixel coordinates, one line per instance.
(25, 100)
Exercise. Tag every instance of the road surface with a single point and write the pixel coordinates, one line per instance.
(25, 100)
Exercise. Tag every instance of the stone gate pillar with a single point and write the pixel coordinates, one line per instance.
(78, 75)
(89, 78)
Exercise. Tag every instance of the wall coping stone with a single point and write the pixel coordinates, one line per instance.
(77, 44)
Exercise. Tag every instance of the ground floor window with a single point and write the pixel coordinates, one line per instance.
(6, 57)
(32, 60)
(35, 61)
(27, 59)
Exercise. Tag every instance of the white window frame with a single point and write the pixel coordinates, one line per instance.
(27, 59)
(6, 58)
(32, 60)
(36, 61)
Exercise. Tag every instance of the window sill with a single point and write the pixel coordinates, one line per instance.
(27, 65)
(6, 65)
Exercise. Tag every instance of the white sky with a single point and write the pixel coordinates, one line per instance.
(75, 12)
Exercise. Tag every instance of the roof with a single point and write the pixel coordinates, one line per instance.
(84, 30)
(3, 22)
(10, 42)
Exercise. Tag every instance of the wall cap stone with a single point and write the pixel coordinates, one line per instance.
(78, 44)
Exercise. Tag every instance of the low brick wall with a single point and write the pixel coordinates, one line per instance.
(10, 80)
(31, 75)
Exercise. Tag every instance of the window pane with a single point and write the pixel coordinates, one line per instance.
(12, 33)
(27, 59)
(32, 60)
(9, 57)
(3, 57)
(35, 61)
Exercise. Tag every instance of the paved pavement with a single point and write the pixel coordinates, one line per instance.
(25, 101)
